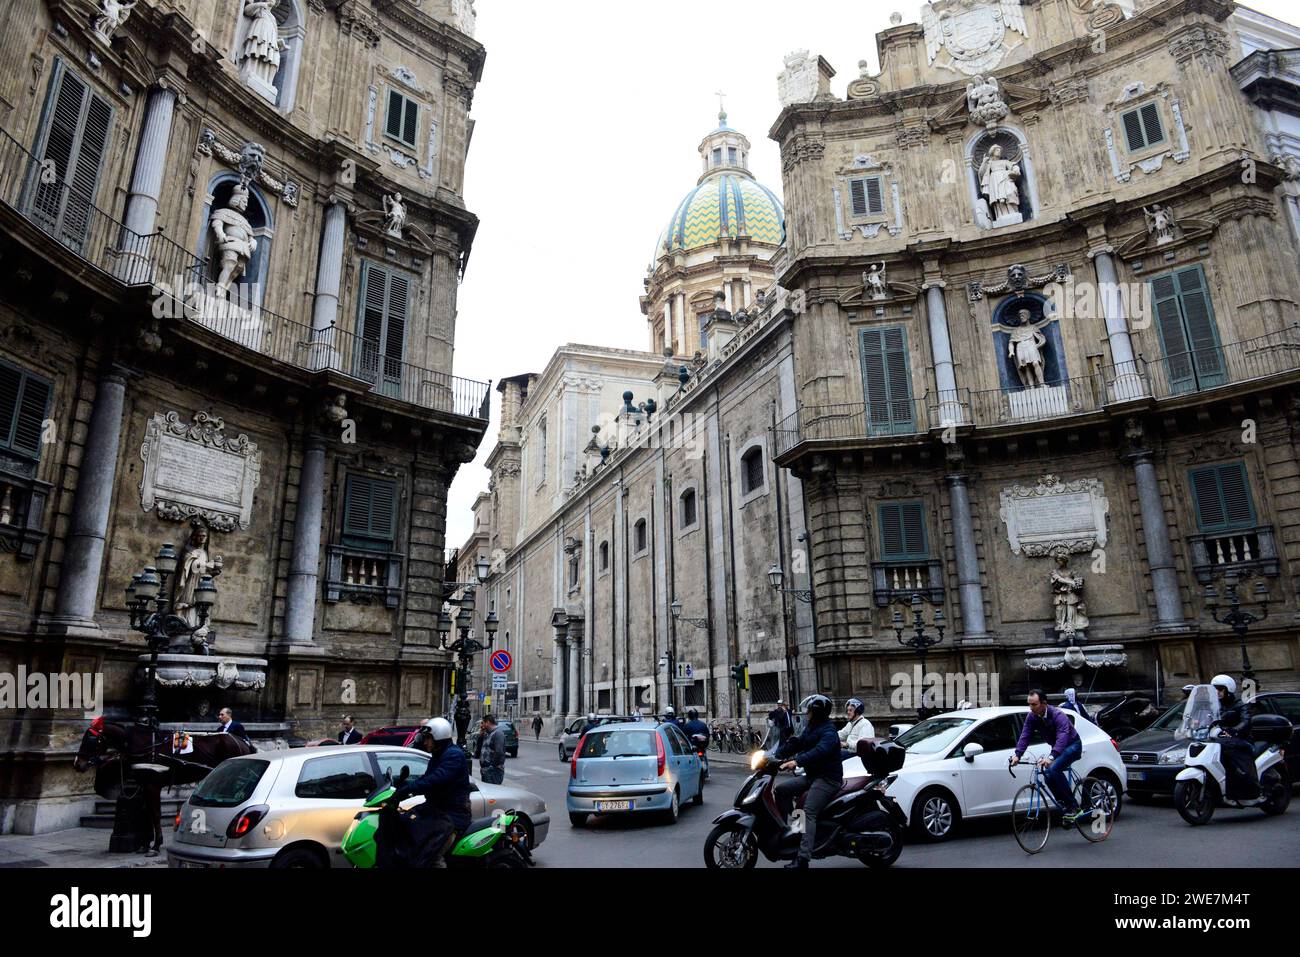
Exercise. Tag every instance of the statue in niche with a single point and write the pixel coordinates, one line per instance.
(394, 214)
(1067, 596)
(1026, 348)
(874, 283)
(234, 236)
(194, 565)
(113, 13)
(260, 56)
(1160, 223)
(999, 184)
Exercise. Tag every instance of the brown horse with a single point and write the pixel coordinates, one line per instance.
(149, 757)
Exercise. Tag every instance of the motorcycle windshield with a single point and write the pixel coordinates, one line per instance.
(1199, 712)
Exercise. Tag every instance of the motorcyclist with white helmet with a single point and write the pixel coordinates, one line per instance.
(445, 785)
(856, 728)
(1237, 754)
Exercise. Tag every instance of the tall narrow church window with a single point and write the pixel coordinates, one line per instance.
(753, 476)
(1188, 332)
(381, 326)
(639, 541)
(887, 381)
(689, 511)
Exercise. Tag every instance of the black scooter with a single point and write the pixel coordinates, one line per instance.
(862, 821)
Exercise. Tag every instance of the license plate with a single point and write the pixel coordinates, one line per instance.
(1137, 775)
(190, 864)
(613, 805)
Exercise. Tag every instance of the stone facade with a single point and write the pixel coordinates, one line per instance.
(1144, 233)
(121, 144)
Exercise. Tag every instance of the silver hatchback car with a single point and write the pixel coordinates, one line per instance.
(293, 808)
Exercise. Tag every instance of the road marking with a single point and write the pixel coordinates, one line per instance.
(546, 771)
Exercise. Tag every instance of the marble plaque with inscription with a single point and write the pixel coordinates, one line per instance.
(1056, 515)
(194, 470)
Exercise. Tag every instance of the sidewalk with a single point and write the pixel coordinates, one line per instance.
(76, 847)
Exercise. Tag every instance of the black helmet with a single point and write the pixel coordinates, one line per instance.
(816, 706)
(693, 714)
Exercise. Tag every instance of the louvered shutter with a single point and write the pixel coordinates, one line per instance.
(1169, 319)
(875, 200)
(1151, 126)
(1238, 509)
(874, 380)
(76, 136)
(371, 321)
(369, 513)
(411, 122)
(60, 143)
(858, 190)
(902, 531)
(899, 379)
(1222, 497)
(1202, 335)
(887, 381)
(393, 117)
(395, 320)
(84, 177)
(24, 405)
(867, 196)
(1133, 131)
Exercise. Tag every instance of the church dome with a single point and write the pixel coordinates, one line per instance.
(727, 202)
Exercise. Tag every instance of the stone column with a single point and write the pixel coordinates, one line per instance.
(1127, 381)
(83, 556)
(329, 269)
(304, 568)
(1160, 553)
(575, 667)
(559, 700)
(141, 216)
(950, 410)
(970, 591)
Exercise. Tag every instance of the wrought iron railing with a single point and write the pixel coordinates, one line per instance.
(184, 286)
(1202, 370)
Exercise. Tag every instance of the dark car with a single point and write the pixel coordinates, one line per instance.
(512, 739)
(1154, 757)
(573, 733)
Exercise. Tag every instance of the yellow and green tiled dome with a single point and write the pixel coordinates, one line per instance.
(725, 204)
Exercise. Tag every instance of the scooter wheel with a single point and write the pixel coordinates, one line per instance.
(728, 848)
(1275, 783)
(889, 856)
(1195, 800)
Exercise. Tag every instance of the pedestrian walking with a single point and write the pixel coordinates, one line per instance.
(537, 725)
(492, 751)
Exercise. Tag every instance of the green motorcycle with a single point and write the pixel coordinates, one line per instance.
(500, 841)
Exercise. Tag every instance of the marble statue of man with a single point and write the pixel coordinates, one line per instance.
(1026, 347)
(1160, 222)
(1067, 596)
(113, 14)
(873, 280)
(394, 214)
(195, 564)
(234, 237)
(998, 184)
(260, 56)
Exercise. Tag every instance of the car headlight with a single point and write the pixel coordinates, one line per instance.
(1173, 756)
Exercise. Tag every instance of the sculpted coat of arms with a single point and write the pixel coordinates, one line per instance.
(972, 31)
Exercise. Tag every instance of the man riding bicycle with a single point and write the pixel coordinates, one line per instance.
(1067, 748)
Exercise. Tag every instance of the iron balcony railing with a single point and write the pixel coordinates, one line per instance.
(1214, 367)
(184, 287)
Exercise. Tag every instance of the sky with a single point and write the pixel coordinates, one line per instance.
(588, 120)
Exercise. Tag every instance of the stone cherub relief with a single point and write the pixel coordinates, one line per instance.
(113, 13)
(999, 184)
(1067, 597)
(234, 238)
(195, 564)
(985, 103)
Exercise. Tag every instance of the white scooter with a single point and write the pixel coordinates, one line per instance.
(1199, 787)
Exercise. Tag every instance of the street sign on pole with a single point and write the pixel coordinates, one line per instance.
(684, 676)
(499, 682)
(501, 662)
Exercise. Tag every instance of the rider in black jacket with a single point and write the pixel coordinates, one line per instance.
(445, 813)
(817, 751)
(1237, 754)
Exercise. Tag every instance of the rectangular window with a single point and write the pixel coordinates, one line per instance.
(72, 146)
(902, 531)
(868, 196)
(887, 381)
(1142, 127)
(689, 511)
(731, 155)
(402, 121)
(382, 316)
(1222, 497)
(540, 454)
(639, 543)
(573, 572)
(24, 403)
(1188, 331)
(369, 513)
(717, 157)
(765, 689)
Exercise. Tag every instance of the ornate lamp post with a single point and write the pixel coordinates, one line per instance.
(776, 578)
(1237, 619)
(701, 623)
(149, 607)
(465, 648)
(921, 640)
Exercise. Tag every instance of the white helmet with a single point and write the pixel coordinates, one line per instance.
(1225, 682)
(440, 728)
(591, 716)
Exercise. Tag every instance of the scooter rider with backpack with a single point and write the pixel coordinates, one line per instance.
(817, 751)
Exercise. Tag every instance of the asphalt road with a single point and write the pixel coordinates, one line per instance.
(1144, 836)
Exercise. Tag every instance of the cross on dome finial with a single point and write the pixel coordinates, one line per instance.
(722, 109)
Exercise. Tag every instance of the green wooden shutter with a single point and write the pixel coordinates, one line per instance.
(875, 199)
(902, 531)
(867, 196)
(1173, 338)
(393, 116)
(1222, 497)
(1153, 131)
(24, 404)
(858, 192)
(1133, 133)
(395, 320)
(76, 135)
(886, 381)
(410, 122)
(370, 321)
(1202, 333)
(369, 513)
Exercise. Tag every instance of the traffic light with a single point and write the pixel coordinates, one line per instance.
(740, 675)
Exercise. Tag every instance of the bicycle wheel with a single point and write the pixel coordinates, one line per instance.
(1099, 799)
(1031, 819)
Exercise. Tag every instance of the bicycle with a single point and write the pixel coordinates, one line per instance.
(1032, 807)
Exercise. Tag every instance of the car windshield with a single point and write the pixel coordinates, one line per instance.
(1172, 719)
(230, 785)
(933, 734)
(619, 744)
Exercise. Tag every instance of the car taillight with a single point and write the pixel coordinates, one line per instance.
(663, 758)
(1115, 743)
(246, 821)
(177, 825)
(573, 764)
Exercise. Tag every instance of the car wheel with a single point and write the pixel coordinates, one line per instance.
(674, 808)
(935, 815)
(298, 858)
(577, 820)
(563, 757)
(698, 800)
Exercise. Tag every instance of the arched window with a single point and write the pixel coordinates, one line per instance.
(1006, 193)
(688, 511)
(753, 475)
(639, 541)
(604, 556)
(291, 26)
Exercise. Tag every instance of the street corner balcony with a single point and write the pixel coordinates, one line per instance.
(178, 284)
(1197, 375)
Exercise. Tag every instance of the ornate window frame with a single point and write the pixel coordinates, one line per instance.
(1150, 160)
(868, 226)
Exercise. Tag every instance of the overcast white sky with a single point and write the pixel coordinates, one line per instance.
(588, 119)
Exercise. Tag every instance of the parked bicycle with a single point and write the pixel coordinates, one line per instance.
(1034, 805)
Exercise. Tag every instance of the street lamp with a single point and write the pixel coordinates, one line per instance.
(481, 569)
(920, 641)
(150, 615)
(776, 578)
(464, 648)
(1236, 619)
(676, 607)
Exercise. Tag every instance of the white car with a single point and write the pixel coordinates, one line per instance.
(956, 766)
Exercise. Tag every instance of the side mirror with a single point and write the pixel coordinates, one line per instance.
(972, 751)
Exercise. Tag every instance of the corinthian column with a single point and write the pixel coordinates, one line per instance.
(141, 216)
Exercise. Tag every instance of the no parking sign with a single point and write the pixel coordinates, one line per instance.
(501, 662)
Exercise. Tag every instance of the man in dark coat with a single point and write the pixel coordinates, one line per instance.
(445, 814)
(817, 751)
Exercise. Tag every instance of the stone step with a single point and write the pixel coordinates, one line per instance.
(105, 811)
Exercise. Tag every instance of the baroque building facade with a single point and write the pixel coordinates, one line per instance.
(1046, 350)
(232, 238)
(627, 483)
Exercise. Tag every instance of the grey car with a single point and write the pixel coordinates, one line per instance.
(573, 733)
(293, 808)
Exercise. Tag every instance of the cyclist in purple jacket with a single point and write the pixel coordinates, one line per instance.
(1067, 748)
